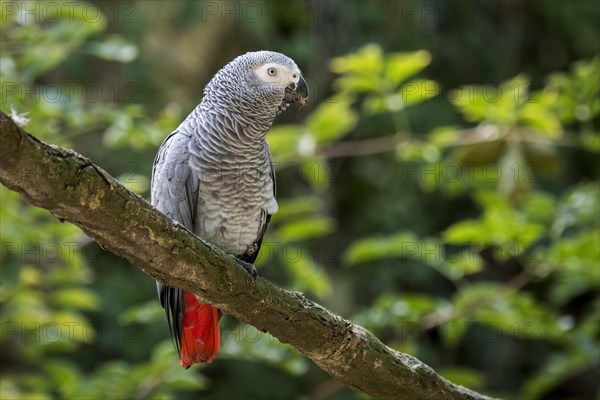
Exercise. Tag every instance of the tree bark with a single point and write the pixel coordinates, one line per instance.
(73, 189)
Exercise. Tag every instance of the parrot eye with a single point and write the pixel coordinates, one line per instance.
(271, 71)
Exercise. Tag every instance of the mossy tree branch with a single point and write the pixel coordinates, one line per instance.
(73, 189)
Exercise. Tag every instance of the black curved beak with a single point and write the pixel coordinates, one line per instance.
(302, 91)
(297, 93)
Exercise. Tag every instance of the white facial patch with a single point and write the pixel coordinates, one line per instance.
(277, 74)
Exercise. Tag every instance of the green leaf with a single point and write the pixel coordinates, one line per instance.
(64, 375)
(501, 227)
(30, 275)
(445, 136)
(468, 231)
(256, 346)
(513, 313)
(41, 59)
(306, 228)
(411, 93)
(401, 66)
(117, 133)
(417, 91)
(162, 396)
(577, 92)
(317, 173)
(368, 60)
(331, 120)
(468, 377)
(591, 141)
(555, 371)
(306, 274)
(183, 381)
(381, 247)
(73, 328)
(421, 152)
(283, 141)
(404, 312)
(539, 113)
(9, 389)
(493, 104)
(137, 183)
(164, 352)
(295, 207)
(110, 380)
(114, 48)
(575, 264)
(142, 314)
(464, 263)
(76, 298)
(375, 104)
(540, 207)
(359, 83)
(579, 207)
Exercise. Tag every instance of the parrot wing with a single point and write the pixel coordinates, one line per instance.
(174, 192)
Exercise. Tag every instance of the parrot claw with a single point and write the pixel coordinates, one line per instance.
(249, 267)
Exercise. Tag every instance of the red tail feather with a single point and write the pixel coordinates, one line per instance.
(200, 332)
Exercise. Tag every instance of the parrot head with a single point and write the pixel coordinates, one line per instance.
(261, 83)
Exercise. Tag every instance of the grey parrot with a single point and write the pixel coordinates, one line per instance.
(214, 175)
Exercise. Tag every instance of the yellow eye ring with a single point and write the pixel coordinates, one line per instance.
(271, 71)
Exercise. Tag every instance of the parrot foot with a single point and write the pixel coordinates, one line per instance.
(249, 267)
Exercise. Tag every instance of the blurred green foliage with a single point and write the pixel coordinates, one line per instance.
(447, 202)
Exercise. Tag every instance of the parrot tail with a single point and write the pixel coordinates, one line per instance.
(200, 337)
